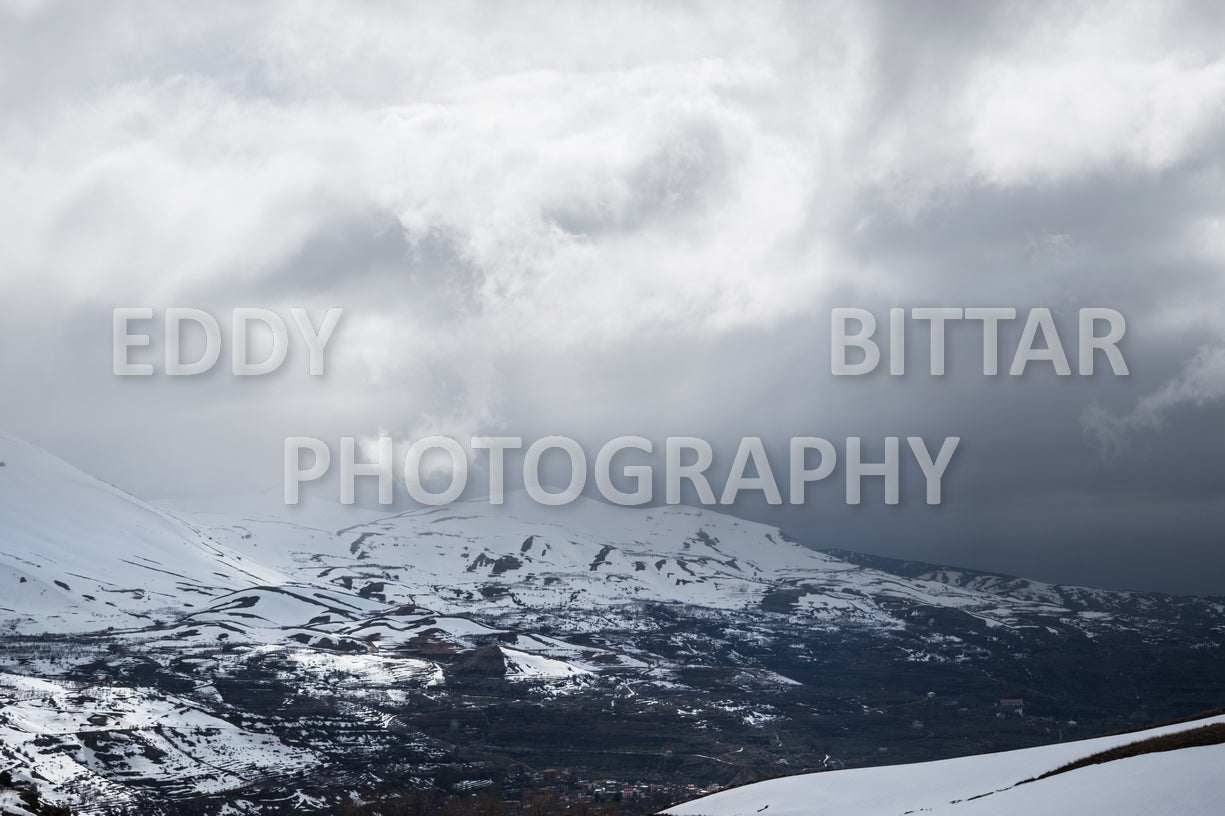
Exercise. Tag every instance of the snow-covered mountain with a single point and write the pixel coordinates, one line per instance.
(525, 563)
(220, 652)
(79, 555)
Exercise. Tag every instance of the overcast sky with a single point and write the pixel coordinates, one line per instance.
(547, 218)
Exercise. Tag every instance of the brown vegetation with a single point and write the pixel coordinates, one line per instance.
(1193, 738)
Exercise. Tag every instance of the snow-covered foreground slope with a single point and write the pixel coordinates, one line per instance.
(78, 554)
(1184, 782)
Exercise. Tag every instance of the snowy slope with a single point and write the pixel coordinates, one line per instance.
(1184, 782)
(103, 743)
(76, 553)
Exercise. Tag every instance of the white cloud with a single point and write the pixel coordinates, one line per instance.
(679, 174)
(1064, 92)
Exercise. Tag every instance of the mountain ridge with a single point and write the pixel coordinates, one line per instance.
(452, 647)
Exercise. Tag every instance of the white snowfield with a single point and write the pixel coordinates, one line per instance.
(1184, 782)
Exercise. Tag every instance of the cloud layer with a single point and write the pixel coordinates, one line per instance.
(551, 218)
